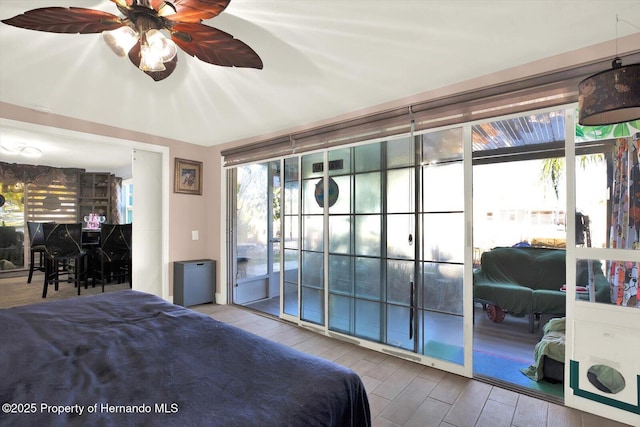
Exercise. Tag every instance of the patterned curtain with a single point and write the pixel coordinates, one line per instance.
(625, 220)
(116, 200)
(13, 173)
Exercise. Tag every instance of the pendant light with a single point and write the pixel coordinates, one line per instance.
(611, 96)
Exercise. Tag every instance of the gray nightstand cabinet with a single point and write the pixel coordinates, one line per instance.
(194, 282)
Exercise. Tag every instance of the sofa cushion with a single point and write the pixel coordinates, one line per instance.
(513, 298)
(548, 301)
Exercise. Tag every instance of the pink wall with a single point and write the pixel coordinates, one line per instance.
(189, 213)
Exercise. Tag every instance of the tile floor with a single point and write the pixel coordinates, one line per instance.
(403, 393)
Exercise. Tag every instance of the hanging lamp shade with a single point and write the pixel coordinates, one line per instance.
(611, 96)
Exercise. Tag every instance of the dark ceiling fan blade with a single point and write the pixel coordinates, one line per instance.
(193, 10)
(134, 56)
(71, 20)
(214, 46)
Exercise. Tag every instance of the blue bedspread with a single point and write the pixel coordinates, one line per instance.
(127, 358)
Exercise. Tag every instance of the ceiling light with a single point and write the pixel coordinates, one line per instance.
(120, 40)
(611, 96)
(11, 148)
(29, 151)
(20, 148)
(155, 50)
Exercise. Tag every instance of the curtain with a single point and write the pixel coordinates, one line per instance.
(12, 173)
(116, 200)
(625, 220)
(58, 186)
(50, 193)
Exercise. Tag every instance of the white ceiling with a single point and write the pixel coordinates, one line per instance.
(322, 59)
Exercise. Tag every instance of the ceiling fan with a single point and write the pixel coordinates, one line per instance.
(142, 33)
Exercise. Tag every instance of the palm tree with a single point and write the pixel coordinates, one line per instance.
(553, 168)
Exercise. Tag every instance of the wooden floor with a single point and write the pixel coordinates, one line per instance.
(15, 291)
(401, 393)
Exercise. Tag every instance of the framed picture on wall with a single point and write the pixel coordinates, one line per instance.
(188, 177)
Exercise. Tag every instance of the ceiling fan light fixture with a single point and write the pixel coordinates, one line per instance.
(150, 60)
(179, 23)
(166, 9)
(165, 47)
(120, 40)
(156, 51)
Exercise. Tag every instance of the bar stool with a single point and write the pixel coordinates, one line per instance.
(62, 243)
(36, 246)
(115, 252)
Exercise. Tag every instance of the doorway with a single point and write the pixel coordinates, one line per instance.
(520, 201)
(257, 237)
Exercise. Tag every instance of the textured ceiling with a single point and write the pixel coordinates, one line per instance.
(322, 59)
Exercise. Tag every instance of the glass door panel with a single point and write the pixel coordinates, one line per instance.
(290, 237)
(400, 236)
(400, 324)
(443, 234)
(251, 234)
(402, 198)
(274, 230)
(312, 276)
(368, 234)
(341, 313)
(257, 236)
(368, 319)
(440, 307)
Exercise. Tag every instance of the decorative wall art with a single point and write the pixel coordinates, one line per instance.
(188, 177)
(333, 191)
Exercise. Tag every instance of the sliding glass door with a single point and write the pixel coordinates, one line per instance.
(384, 222)
(442, 221)
(257, 233)
(371, 243)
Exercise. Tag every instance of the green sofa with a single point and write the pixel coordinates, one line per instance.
(527, 281)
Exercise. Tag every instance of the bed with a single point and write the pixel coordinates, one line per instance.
(128, 358)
